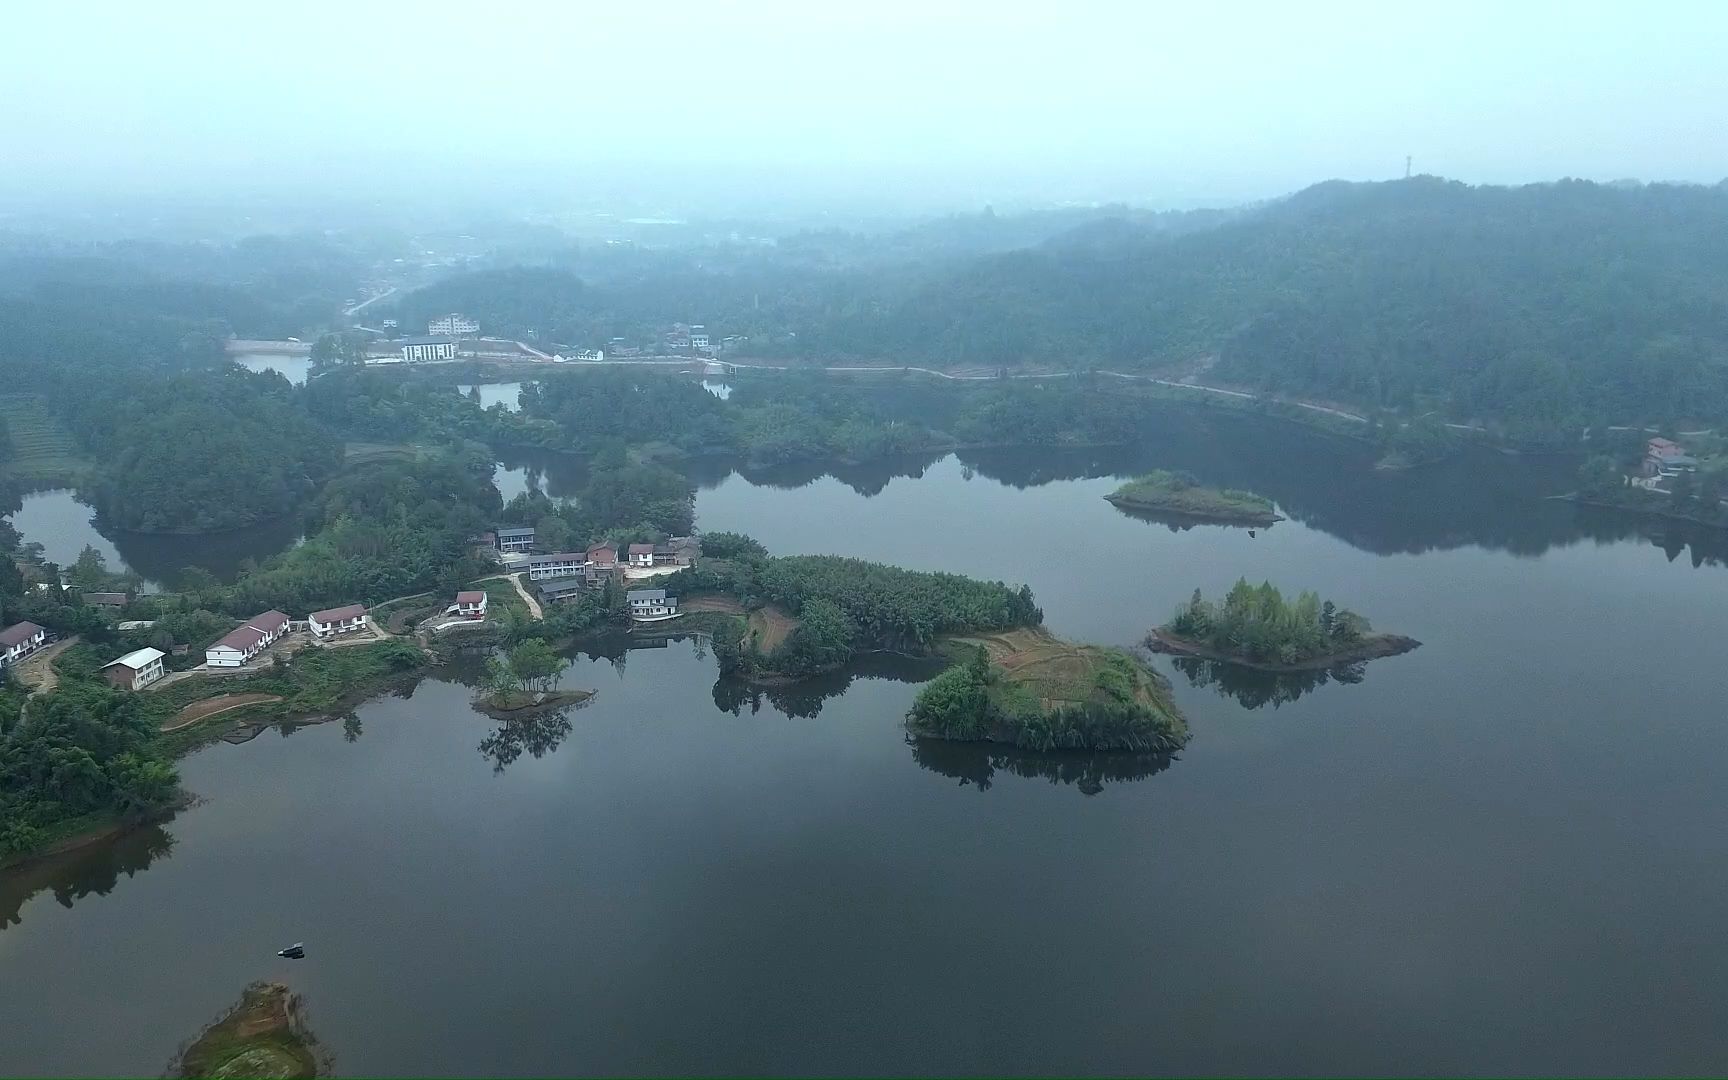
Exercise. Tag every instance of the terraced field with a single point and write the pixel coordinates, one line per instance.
(42, 450)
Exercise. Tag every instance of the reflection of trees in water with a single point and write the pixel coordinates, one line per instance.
(1256, 688)
(977, 763)
(88, 871)
(536, 735)
(866, 478)
(804, 699)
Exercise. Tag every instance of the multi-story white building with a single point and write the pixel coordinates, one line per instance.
(342, 620)
(417, 349)
(561, 564)
(135, 670)
(454, 324)
(698, 337)
(247, 640)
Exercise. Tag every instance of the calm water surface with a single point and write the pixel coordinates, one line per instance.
(293, 367)
(1504, 852)
(64, 527)
(505, 394)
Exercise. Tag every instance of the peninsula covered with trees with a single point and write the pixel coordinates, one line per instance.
(1181, 494)
(1258, 627)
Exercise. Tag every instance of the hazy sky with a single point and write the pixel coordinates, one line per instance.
(956, 104)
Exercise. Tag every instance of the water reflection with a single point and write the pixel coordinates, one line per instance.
(804, 699)
(1256, 688)
(536, 735)
(1177, 523)
(88, 871)
(977, 763)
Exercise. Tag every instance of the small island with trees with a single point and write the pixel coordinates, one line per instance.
(524, 680)
(1257, 627)
(1032, 690)
(1182, 494)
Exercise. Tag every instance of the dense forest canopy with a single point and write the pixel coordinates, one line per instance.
(199, 453)
(1539, 309)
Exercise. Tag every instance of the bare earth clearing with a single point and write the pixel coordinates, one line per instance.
(221, 703)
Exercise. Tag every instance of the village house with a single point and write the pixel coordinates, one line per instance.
(562, 591)
(471, 604)
(602, 563)
(115, 600)
(651, 605)
(678, 551)
(20, 640)
(135, 670)
(418, 349)
(560, 564)
(247, 640)
(641, 554)
(515, 539)
(1664, 457)
(328, 624)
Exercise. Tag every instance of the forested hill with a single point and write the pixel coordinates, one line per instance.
(1542, 307)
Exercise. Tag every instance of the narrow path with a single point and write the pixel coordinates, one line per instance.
(534, 608)
(37, 670)
(216, 706)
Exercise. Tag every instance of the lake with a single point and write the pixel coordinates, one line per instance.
(1501, 853)
(292, 366)
(64, 526)
(507, 394)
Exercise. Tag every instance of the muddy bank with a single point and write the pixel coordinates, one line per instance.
(1371, 648)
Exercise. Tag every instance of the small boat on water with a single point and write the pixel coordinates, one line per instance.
(296, 951)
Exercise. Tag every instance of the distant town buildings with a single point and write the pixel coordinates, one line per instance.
(454, 324)
(135, 670)
(419, 349)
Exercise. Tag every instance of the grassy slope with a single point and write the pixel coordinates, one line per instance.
(42, 450)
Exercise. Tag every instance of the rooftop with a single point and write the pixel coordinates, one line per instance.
(516, 531)
(636, 595)
(18, 633)
(338, 614)
(425, 341)
(240, 638)
(471, 596)
(137, 660)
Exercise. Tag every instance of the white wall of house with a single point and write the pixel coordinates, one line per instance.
(224, 656)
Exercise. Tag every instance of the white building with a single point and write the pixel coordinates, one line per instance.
(471, 604)
(562, 564)
(698, 337)
(247, 641)
(454, 324)
(418, 349)
(651, 605)
(20, 640)
(343, 620)
(135, 670)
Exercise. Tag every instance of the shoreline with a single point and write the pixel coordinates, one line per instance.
(1651, 510)
(1375, 647)
(1245, 516)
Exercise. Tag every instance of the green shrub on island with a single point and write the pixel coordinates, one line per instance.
(1045, 694)
(1260, 624)
(1182, 493)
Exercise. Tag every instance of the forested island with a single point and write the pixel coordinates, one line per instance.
(1257, 627)
(799, 615)
(1032, 690)
(1182, 494)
